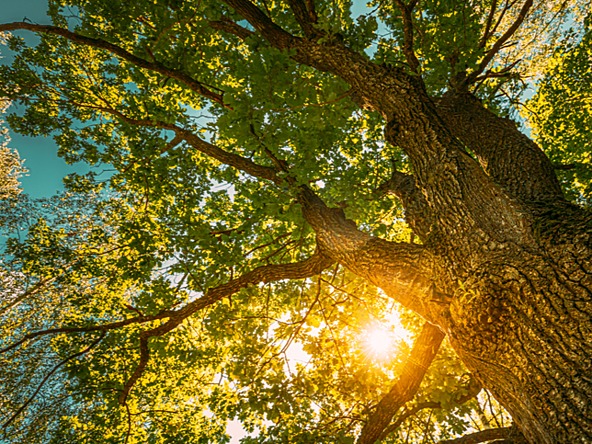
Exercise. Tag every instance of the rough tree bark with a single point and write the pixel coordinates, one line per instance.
(505, 266)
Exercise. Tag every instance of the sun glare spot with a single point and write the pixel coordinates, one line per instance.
(379, 342)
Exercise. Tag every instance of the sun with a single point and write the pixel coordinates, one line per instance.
(381, 340)
(378, 342)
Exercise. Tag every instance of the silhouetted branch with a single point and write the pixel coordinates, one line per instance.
(488, 24)
(498, 45)
(264, 274)
(423, 353)
(564, 166)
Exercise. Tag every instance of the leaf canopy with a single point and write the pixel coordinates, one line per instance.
(183, 110)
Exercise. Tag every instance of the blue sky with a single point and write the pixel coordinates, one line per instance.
(46, 170)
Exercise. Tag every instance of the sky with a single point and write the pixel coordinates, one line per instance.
(46, 169)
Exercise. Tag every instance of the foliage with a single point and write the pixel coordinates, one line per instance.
(174, 219)
(560, 114)
(11, 165)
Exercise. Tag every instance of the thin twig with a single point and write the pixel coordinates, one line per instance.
(46, 378)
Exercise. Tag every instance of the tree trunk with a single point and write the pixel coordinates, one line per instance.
(505, 269)
(523, 327)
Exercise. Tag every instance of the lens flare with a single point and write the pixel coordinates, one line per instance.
(379, 342)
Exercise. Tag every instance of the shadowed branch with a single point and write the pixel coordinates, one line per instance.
(503, 433)
(500, 42)
(406, 12)
(304, 17)
(423, 353)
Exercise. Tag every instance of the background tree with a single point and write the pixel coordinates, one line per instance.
(11, 165)
(281, 174)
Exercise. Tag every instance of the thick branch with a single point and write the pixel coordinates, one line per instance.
(402, 270)
(332, 55)
(312, 13)
(470, 391)
(398, 273)
(406, 12)
(423, 353)
(508, 156)
(417, 212)
(268, 273)
(482, 436)
(262, 23)
(454, 185)
(158, 67)
(303, 17)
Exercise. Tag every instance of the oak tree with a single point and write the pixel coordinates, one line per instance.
(275, 183)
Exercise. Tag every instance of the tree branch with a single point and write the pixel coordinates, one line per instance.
(423, 353)
(262, 23)
(46, 378)
(406, 12)
(139, 370)
(312, 13)
(470, 79)
(264, 274)
(401, 270)
(102, 328)
(232, 28)
(507, 155)
(225, 157)
(417, 212)
(482, 436)
(488, 24)
(471, 390)
(155, 66)
(303, 17)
